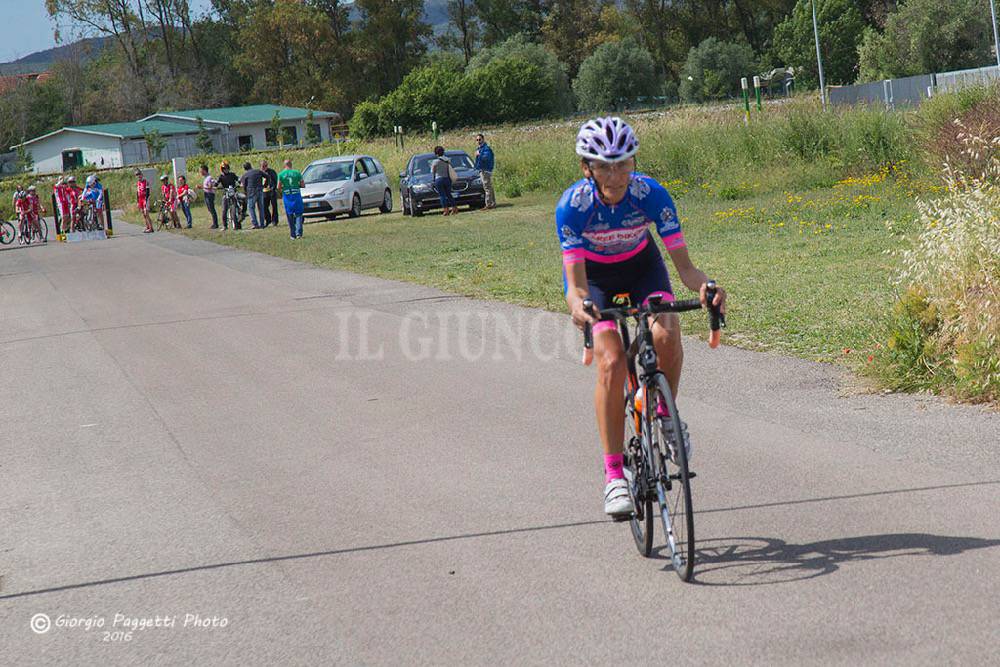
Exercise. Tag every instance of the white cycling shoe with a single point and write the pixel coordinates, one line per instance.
(616, 498)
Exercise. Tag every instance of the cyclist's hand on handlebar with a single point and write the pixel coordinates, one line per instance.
(720, 297)
(581, 315)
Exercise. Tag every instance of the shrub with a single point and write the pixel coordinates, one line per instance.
(945, 332)
(554, 71)
(713, 70)
(365, 122)
(509, 89)
(615, 71)
(809, 135)
(876, 138)
(982, 119)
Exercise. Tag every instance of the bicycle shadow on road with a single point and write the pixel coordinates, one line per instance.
(756, 561)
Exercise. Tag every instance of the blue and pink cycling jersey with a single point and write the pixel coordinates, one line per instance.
(593, 231)
(615, 243)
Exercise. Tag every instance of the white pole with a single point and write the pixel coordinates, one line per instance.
(996, 39)
(819, 57)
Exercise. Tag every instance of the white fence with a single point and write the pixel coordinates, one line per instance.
(911, 90)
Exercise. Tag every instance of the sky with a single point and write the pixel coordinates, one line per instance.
(35, 31)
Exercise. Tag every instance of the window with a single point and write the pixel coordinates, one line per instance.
(359, 169)
(371, 166)
(245, 142)
(270, 137)
(313, 133)
(290, 135)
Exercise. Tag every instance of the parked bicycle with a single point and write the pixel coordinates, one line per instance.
(656, 445)
(162, 214)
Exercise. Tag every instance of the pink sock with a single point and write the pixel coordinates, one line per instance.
(661, 408)
(613, 467)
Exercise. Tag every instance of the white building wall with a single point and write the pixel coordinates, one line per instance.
(103, 151)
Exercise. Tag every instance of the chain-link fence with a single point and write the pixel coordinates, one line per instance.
(911, 90)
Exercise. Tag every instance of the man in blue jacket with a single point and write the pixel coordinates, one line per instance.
(484, 165)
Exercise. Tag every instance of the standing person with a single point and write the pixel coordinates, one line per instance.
(270, 194)
(142, 199)
(61, 192)
(73, 195)
(443, 173)
(484, 165)
(169, 193)
(184, 198)
(290, 185)
(208, 187)
(34, 210)
(227, 179)
(252, 181)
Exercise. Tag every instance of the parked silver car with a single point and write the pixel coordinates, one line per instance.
(347, 184)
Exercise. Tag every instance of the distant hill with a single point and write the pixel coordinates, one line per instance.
(435, 13)
(42, 60)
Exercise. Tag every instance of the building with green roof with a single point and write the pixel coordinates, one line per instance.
(231, 129)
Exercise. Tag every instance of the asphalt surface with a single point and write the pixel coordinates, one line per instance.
(300, 466)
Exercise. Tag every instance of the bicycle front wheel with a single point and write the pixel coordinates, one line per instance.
(637, 473)
(673, 487)
(7, 233)
(43, 230)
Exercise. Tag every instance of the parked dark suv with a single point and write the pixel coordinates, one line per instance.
(416, 185)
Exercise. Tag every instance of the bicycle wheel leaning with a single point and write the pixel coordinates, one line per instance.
(636, 469)
(42, 233)
(673, 486)
(7, 233)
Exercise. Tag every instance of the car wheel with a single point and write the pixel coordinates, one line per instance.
(355, 206)
(416, 211)
(386, 206)
(332, 216)
(404, 204)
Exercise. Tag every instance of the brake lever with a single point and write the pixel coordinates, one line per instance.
(588, 335)
(716, 318)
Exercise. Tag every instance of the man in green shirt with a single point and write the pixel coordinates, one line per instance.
(289, 185)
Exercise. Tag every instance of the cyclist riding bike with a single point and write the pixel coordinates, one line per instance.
(603, 225)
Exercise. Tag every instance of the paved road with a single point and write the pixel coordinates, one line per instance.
(310, 467)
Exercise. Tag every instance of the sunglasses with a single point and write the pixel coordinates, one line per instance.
(607, 169)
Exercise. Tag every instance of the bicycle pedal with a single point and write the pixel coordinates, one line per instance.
(621, 518)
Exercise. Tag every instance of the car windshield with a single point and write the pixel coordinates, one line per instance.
(326, 172)
(422, 164)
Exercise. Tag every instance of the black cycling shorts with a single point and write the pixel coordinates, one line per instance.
(638, 277)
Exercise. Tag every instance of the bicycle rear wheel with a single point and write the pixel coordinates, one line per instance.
(673, 488)
(7, 233)
(43, 231)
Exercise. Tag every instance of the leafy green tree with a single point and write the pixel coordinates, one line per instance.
(926, 36)
(503, 19)
(203, 140)
(554, 71)
(615, 71)
(434, 92)
(713, 70)
(279, 137)
(155, 143)
(840, 29)
(391, 34)
(25, 160)
(365, 123)
(312, 129)
(462, 17)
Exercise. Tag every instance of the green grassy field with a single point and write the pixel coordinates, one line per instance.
(807, 270)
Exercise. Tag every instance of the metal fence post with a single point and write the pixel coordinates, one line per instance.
(107, 213)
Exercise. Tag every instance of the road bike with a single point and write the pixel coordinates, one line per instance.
(163, 214)
(89, 217)
(7, 233)
(32, 231)
(656, 445)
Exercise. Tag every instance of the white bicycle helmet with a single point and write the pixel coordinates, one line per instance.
(91, 179)
(607, 139)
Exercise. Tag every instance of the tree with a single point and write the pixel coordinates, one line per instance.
(155, 143)
(562, 34)
(926, 36)
(462, 16)
(511, 89)
(279, 138)
(615, 71)
(391, 36)
(713, 70)
(502, 19)
(840, 30)
(203, 141)
(25, 160)
(312, 129)
(554, 71)
(435, 92)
